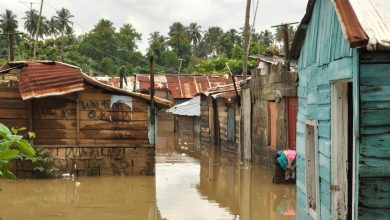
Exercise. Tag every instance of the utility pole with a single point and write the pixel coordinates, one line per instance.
(286, 42)
(38, 28)
(181, 62)
(245, 48)
(152, 110)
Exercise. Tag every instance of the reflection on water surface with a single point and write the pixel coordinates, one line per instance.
(184, 188)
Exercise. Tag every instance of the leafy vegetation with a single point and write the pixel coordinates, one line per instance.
(104, 49)
(12, 146)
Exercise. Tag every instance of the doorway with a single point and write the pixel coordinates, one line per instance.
(342, 150)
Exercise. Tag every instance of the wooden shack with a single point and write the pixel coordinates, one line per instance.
(187, 125)
(220, 125)
(274, 109)
(343, 142)
(87, 126)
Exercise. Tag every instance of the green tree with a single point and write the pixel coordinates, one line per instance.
(9, 24)
(178, 38)
(31, 22)
(213, 39)
(194, 33)
(52, 27)
(64, 24)
(266, 38)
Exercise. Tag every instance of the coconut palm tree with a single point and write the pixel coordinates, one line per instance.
(63, 19)
(194, 33)
(8, 24)
(52, 27)
(177, 36)
(212, 37)
(31, 22)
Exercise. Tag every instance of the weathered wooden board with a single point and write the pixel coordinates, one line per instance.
(14, 113)
(97, 125)
(374, 193)
(54, 124)
(114, 134)
(115, 116)
(55, 133)
(9, 93)
(13, 103)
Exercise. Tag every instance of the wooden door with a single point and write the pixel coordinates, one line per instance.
(273, 112)
(340, 150)
(292, 111)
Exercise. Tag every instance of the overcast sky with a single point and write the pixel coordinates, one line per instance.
(148, 16)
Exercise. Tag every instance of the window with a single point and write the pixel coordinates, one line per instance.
(231, 125)
(311, 166)
(272, 109)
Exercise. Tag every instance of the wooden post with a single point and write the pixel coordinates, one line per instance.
(152, 107)
(245, 48)
(30, 115)
(234, 84)
(11, 47)
(77, 121)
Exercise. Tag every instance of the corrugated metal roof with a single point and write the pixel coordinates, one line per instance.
(374, 18)
(49, 79)
(40, 79)
(188, 108)
(180, 86)
(365, 23)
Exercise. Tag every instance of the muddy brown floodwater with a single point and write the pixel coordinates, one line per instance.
(185, 186)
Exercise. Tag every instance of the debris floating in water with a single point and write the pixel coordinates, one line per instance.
(65, 176)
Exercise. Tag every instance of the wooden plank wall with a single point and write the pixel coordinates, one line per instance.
(325, 57)
(86, 129)
(100, 123)
(374, 158)
(204, 126)
(14, 112)
(226, 145)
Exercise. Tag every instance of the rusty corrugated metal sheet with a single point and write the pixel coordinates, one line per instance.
(366, 23)
(183, 86)
(351, 26)
(42, 79)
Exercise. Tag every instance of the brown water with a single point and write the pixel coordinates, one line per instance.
(183, 188)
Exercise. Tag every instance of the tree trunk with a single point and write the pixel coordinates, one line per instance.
(10, 47)
(62, 47)
(245, 48)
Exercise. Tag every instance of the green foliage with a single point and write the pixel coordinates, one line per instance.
(44, 165)
(105, 48)
(13, 146)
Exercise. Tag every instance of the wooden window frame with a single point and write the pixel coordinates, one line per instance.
(315, 214)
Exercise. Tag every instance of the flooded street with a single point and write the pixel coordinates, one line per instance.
(184, 187)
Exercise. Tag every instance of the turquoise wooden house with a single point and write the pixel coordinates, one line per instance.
(343, 128)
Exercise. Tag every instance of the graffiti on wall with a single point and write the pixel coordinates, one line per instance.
(110, 161)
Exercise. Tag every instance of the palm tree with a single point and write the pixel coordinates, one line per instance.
(64, 24)
(194, 33)
(266, 38)
(31, 21)
(104, 24)
(212, 38)
(177, 36)
(157, 45)
(8, 24)
(52, 27)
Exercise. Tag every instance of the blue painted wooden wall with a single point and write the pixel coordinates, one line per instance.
(374, 157)
(325, 57)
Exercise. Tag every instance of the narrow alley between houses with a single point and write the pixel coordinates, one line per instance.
(185, 186)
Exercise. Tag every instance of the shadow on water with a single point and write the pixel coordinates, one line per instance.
(187, 185)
